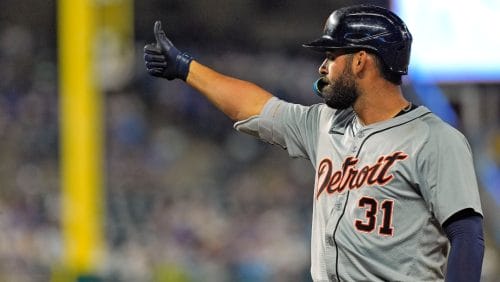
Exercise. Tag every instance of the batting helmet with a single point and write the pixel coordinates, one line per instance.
(371, 28)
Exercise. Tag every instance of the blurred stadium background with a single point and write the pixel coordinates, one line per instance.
(179, 195)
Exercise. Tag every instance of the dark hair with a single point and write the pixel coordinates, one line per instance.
(388, 75)
(384, 71)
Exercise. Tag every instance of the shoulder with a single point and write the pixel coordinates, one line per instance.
(441, 131)
(299, 111)
(439, 137)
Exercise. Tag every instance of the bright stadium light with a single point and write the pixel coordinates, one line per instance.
(453, 40)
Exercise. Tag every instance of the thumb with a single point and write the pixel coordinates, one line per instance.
(159, 34)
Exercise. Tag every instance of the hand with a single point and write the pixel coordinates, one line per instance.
(163, 59)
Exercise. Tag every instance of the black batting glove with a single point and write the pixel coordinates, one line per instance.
(163, 59)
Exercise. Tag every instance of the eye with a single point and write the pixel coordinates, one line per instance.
(331, 56)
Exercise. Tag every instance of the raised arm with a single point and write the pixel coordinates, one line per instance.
(236, 98)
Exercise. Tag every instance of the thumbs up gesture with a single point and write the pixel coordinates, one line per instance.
(162, 59)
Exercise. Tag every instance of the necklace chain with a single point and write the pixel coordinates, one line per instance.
(358, 120)
(407, 108)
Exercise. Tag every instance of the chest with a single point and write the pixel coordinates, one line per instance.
(365, 160)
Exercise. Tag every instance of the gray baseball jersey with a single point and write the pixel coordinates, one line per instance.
(381, 191)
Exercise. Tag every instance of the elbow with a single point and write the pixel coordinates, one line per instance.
(242, 113)
(239, 115)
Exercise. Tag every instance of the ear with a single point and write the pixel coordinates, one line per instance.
(359, 62)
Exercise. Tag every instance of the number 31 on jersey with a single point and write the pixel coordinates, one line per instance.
(373, 218)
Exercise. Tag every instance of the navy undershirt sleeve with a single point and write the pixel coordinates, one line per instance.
(465, 232)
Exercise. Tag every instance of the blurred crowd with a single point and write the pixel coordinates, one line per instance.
(187, 197)
(186, 191)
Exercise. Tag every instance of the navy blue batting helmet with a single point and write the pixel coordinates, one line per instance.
(371, 28)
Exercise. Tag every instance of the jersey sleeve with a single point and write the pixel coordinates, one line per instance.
(446, 173)
(292, 126)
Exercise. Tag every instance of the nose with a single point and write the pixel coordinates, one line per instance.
(323, 70)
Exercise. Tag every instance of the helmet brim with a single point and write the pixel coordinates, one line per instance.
(326, 44)
(323, 44)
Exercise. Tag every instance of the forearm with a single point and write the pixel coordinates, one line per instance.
(467, 248)
(236, 98)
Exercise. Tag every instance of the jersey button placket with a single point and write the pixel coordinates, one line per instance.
(330, 241)
(359, 137)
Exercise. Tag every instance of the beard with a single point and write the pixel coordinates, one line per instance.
(342, 92)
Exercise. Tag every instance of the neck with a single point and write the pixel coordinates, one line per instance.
(379, 103)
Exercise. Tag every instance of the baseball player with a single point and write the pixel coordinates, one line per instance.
(395, 196)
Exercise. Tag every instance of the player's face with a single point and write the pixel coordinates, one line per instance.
(340, 90)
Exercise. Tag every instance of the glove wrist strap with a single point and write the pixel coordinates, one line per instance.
(183, 61)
